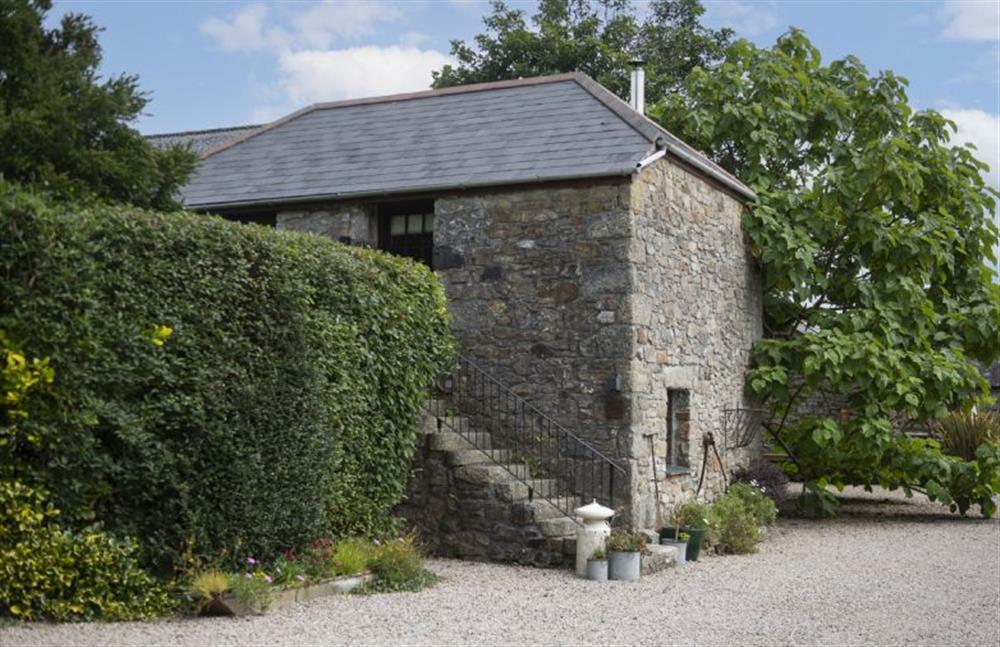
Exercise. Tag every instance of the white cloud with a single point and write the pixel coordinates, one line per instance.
(976, 20)
(325, 75)
(242, 31)
(982, 129)
(312, 61)
(321, 25)
(253, 28)
(746, 18)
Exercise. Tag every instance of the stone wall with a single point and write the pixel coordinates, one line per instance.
(354, 220)
(592, 300)
(696, 311)
(538, 284)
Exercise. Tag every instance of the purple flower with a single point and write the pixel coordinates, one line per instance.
(251, 561)
(376, 542)
(268, 578)
(300, 578)
(247, 575)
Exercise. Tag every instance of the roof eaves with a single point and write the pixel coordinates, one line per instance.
(622, 170)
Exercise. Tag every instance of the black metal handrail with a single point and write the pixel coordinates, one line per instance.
(530, 437)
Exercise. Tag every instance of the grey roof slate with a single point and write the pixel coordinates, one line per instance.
(511, 132)
(200, 141)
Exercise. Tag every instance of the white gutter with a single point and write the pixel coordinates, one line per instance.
(643, 163)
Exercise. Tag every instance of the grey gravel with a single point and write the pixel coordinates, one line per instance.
(882, 573)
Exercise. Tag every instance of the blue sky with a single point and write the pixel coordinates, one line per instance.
(211, 64)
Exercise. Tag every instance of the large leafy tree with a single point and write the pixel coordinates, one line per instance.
(873, 230)
(597, 37)
(66, 130)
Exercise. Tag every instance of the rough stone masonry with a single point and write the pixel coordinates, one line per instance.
(624, 308)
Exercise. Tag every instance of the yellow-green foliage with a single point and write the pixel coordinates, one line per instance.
(209, 585)
(18, 375)
(351, 556)
(398, 563)
(51, 573)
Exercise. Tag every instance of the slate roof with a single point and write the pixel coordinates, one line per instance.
(510, 132)
(201, 141)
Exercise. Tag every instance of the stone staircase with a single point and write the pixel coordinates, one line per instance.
(472, 499)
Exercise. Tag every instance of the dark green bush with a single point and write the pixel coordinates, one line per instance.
(224, 390)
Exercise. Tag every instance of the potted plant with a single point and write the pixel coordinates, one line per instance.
(625, 555)
(690, 518)
(597, 566)
(682, 547)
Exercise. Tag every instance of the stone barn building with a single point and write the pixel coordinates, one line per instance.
(602, 292)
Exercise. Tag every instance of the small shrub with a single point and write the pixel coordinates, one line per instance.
(732, 525)
(622, 540)
(692, 515)
(351, 556)
(317, 560)
(767, 477)
(47, 572)
(399, 565)
(209, 586)
(759, 504)
(288, 571)
(252, 590)
(599, 555)
(962, 433)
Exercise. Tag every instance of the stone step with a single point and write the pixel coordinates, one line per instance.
(459, 424)
(491, 473)
(518, 491)
(476, 456)
(449, 441)
(558, 527)
(541, 509)
(657, 558)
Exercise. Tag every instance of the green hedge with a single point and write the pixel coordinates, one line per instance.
(221, 390)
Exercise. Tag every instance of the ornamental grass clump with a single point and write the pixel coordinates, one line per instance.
(399, 565)
(961, 433)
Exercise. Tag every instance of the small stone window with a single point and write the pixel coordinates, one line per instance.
(406, 228)
(678, 428)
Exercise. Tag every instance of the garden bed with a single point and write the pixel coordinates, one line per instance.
(231, 605)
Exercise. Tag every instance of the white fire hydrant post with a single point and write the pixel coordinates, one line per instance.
(593, 534)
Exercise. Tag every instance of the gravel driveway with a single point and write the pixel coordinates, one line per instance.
(881, 573)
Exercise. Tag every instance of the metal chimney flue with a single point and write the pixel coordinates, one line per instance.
(637, 94)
